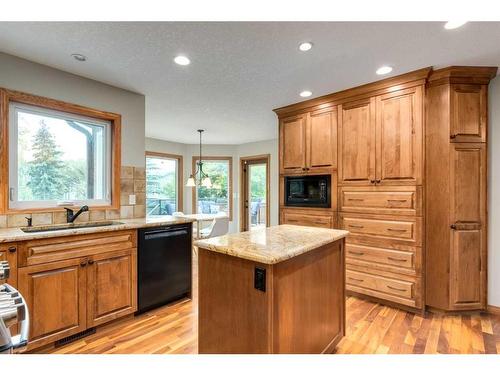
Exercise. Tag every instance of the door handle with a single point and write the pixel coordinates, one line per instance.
(396, 230)
(377, 181)
(396, 259)
(393, 288)
(355, 199)
(352, 278)
(453, 136)
(83, 264)
(356, 226)
(396, 200)
(372, 181)
(91, 261)
(356, 253)
(453, 226)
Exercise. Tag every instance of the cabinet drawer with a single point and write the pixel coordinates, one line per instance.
(379, 257)
(382, 229)
(385, 285)
(375, 200)
(61, 248)
(295, 218)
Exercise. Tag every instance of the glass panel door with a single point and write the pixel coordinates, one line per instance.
(255, 193)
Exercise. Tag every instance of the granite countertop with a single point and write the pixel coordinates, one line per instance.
(272, 245)
(16, 234)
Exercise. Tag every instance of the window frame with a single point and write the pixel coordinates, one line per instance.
(14, 108)
(180, 174)
(7, 97)
(194, 203)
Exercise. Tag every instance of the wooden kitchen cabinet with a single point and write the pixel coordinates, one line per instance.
(56, 296)
(399, 137)
(308, 142)
(293, 144)
(321, 138)
(456, 187)
(468, 113)
(111, 286)
(8, 252)
(357, 142)
(74, 283)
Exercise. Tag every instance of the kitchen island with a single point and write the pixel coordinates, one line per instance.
(274, 290)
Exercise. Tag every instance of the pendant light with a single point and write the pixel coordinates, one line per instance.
(199, 177)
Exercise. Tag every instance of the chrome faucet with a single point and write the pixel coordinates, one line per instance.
(71, 216)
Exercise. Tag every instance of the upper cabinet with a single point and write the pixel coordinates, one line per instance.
(357, 142)
(468, 113)
(321, 138)
(381, 139)
(293, 144)
(399, 137)
(308, 142)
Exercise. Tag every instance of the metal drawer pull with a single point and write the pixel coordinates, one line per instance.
(352, 278)
(393, 288)
(292, 221)
(396, 230)
(356, 253)
(397, 260)
(355, 226)
(355, 199)
(396, 200)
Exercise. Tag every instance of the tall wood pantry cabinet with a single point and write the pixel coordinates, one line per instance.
(456, 183)
(408, 159)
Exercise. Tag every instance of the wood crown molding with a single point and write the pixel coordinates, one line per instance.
(463, 74)
(367, 89)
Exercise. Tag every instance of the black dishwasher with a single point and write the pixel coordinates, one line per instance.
(164, 265)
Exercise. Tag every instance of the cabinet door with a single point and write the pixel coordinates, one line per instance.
(357, 142)
(468, 113)
(55, 294)
(322, 139)
(112, 286)
(399, 137)
(293, 145)
(468, 220)
(8, 252)
(468, 281)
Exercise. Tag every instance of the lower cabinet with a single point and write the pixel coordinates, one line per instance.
(309, 218)
(56, 295)
(68, 296)
(111, 286)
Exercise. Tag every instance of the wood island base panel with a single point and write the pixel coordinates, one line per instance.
(292, 306)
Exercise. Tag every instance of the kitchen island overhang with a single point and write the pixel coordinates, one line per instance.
(274, 290)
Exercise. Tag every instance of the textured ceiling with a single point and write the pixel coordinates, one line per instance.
(239, 72)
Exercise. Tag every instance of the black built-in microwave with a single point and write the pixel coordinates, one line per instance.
(308, 191)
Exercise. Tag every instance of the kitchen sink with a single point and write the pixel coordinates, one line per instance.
(49, 228)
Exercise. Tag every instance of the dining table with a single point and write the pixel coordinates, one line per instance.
(200, 218)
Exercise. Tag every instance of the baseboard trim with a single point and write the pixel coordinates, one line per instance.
(494, 310)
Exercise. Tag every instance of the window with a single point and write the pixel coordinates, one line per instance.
(163, 184)
(57, 158)
(218, 198)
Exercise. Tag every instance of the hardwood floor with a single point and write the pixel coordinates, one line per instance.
(370, 328)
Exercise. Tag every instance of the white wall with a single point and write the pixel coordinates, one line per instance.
(235, 151)
(26, 76)
(494, 194)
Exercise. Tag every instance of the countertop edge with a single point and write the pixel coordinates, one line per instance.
(262, 258)
(18, 235)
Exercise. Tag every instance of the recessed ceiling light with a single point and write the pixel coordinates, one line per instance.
(182, 60)
(306, 93)
(384, 70)
(79, 57)
(306, 46)
(454, 24)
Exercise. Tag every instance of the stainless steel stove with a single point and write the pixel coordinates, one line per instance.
(13, 310)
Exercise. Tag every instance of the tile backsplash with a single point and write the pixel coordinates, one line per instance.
(132, 181)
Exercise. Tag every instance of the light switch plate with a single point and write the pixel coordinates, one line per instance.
(131, 199)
